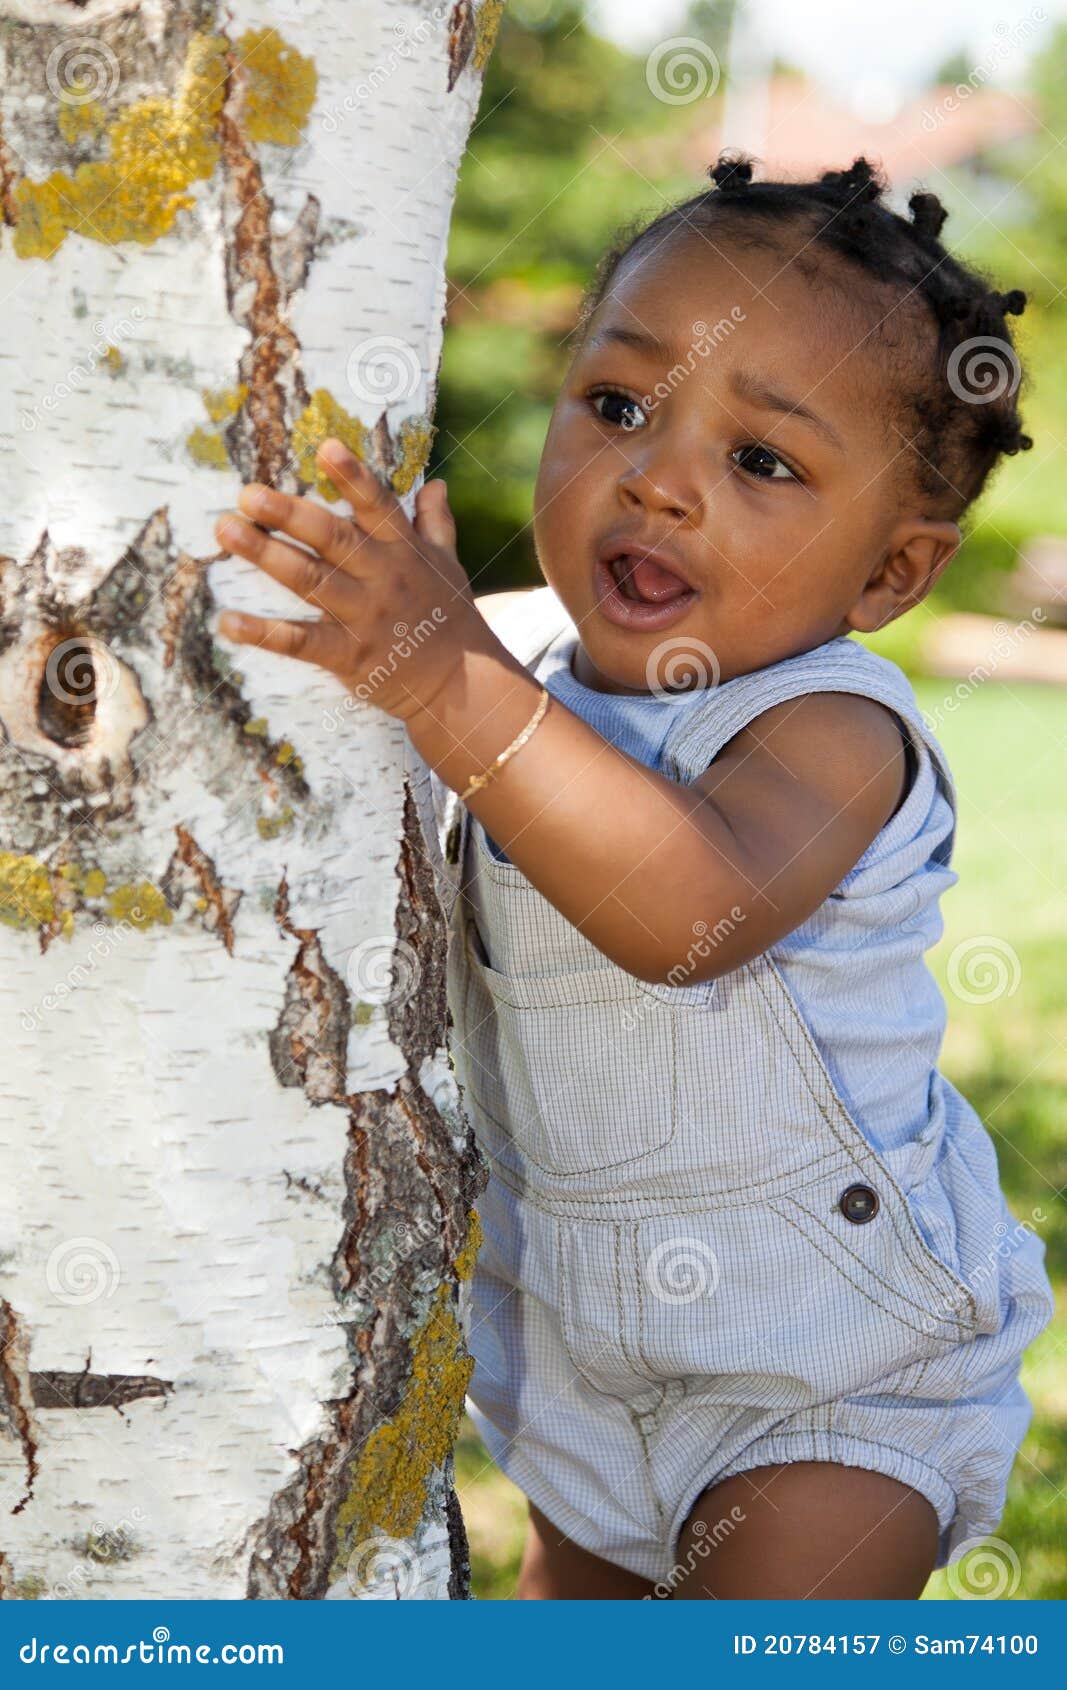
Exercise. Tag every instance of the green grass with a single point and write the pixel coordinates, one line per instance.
(1007, 745)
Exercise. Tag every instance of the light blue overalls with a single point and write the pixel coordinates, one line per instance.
(738, 1221)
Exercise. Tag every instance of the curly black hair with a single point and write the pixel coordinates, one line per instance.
(959, 385)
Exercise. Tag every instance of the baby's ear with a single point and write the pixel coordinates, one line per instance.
(917, 552)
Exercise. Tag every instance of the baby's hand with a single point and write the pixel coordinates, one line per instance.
(398, 612)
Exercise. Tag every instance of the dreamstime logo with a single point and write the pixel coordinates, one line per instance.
(82, 1271)
(382, 1566)
(988, 1569)
(80, 672)
(406, 39)
(1006, 637)
(1008, 1240)
(701, 1547)
(984, 968)
(107, 337)
(704, 343)
(682, 70)
(407, 639)
(1010, 37)
(682, 1269)
(983, 369)
(383, 970)
(681, 664)
(79, 71)
(383, 370)
(107, 936)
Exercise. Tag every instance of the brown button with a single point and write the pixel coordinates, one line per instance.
(858, 1204)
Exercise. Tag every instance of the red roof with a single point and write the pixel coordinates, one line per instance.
(804, 132)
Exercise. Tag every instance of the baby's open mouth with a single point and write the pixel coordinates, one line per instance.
(645, 580)
(639, 589)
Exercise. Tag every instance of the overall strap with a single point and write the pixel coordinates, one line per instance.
(839, 665)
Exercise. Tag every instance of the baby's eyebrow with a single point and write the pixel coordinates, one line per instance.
(745, 383)
(615, 335)
(760, 393)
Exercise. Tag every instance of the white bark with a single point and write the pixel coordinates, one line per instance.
(234, 1181)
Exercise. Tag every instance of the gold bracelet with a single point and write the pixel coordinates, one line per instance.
(478, 781)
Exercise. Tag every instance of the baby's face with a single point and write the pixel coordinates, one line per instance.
(754, 450)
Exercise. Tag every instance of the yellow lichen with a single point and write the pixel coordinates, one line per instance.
(141, 904)
(26, 898)
(94, 884)
(258, 725)
(114, 361)
(284, 753)
(416, 438)
(157, 148)
(207, 449)
(281, 86)
(80, 119)
(464, 1262)
(270, 826)
(324, 419)
(362, 1014)
(223, 402)
(487, 24)
(388, 1481)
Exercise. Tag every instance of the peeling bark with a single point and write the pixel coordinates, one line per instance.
(236, 1188)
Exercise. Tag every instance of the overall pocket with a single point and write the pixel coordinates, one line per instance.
(578, 1069)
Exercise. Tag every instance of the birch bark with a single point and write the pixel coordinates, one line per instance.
(236, 1188)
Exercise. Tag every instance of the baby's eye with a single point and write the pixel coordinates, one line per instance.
(614, 397)
(762, 463)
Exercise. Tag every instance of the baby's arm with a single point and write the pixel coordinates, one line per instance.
(637, 862)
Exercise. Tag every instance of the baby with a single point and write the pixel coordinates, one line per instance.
(735, 1323)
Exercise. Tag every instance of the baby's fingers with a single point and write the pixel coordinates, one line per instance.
(433, 516)
(321, 642)
(376, 507)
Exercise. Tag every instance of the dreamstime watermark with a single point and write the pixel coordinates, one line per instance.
(702, 946)
(682, 1270)
(983, 369)
(383, 1566)
(404, 1239)
(108, 936)
(987, 1569)
(383, 970)
(82, 69)
(407, 641)
(681, 70)
(704, 344)
(984, 968)
(989, 1267)
(681, 664)
(106, 338)
(704, 1541)
(82, 1270)
(406, 39)
(1010, 37)
(1006, 637)
(383, 370)
(102, 1546)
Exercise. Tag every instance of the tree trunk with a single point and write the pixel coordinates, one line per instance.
(235, 1184)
